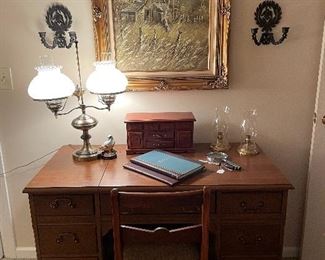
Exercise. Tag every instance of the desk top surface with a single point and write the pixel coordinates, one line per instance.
(63, 172)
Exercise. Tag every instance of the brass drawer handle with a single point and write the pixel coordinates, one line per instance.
(60, 238)
(54, 204)
(259, 206)
(258, 239)
(244, 240)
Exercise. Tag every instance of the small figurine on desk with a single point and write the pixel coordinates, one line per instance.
(108, 153)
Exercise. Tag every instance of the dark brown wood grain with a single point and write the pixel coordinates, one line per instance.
(170, 131)
(71, 199)
(257, 173)
(128, 203)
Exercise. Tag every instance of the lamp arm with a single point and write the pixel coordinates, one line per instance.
(254, 33)
(285, 31)
(66, 113)
(98, 108)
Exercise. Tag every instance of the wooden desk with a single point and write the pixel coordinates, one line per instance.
(71, 215)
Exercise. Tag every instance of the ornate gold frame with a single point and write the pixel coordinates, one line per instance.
(216, 78)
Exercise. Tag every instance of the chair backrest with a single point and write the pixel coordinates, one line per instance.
(156, 207)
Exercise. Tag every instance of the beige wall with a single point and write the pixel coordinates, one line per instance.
(279, 81)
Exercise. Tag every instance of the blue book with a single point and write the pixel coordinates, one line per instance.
(150, 173)
(175, 166)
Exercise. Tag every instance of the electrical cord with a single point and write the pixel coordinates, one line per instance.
(31, 162)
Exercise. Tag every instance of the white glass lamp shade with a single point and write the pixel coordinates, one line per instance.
(50, 83)
(106, 79)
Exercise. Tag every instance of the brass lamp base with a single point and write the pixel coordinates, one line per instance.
(221, 144)
(220, 147)
(82, 155)
(249, 148)
(85, 122)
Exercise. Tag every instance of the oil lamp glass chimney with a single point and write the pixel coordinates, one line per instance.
(248, 134)
(221, 124)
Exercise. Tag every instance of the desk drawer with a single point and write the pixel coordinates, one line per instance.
(62, 240)
(106, 207)
(70, 258)
(105, 204)
(251, 258)
(250, 202)
(250, 239)
(64, 205)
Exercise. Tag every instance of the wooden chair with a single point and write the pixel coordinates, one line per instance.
(155, 207)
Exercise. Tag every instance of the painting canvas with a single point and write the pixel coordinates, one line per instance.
(165, 44)
(161, 35)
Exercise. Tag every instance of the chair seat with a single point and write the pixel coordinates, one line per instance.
(161, 252)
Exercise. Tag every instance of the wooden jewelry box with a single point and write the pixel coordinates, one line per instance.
(170, 131)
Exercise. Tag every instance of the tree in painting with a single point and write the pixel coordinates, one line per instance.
(161, 35)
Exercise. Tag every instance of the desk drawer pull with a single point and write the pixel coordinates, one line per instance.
(259, 206)
(60, 238)
(54, 204)
(245, 240)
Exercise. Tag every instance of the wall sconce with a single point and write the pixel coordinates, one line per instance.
(268, 15)
(53, 87)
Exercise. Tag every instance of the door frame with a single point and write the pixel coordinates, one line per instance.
(6, 219)
(320, 84)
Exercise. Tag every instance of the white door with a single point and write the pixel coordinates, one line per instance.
(1, 251)
(313, 246)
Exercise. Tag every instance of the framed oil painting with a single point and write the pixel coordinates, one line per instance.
(165, 44)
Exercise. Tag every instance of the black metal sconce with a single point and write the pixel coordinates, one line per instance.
(59, 20)
(268, 15)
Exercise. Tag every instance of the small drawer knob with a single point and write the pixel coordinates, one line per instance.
(54, 204)
(60, 237)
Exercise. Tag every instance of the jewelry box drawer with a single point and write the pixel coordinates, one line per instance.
(134, 127)
(250, 202)
(153, 144)
(246, 239)
(67, 240)
(160, 135)
(64, 205)
(158, 126)
(184, 125)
